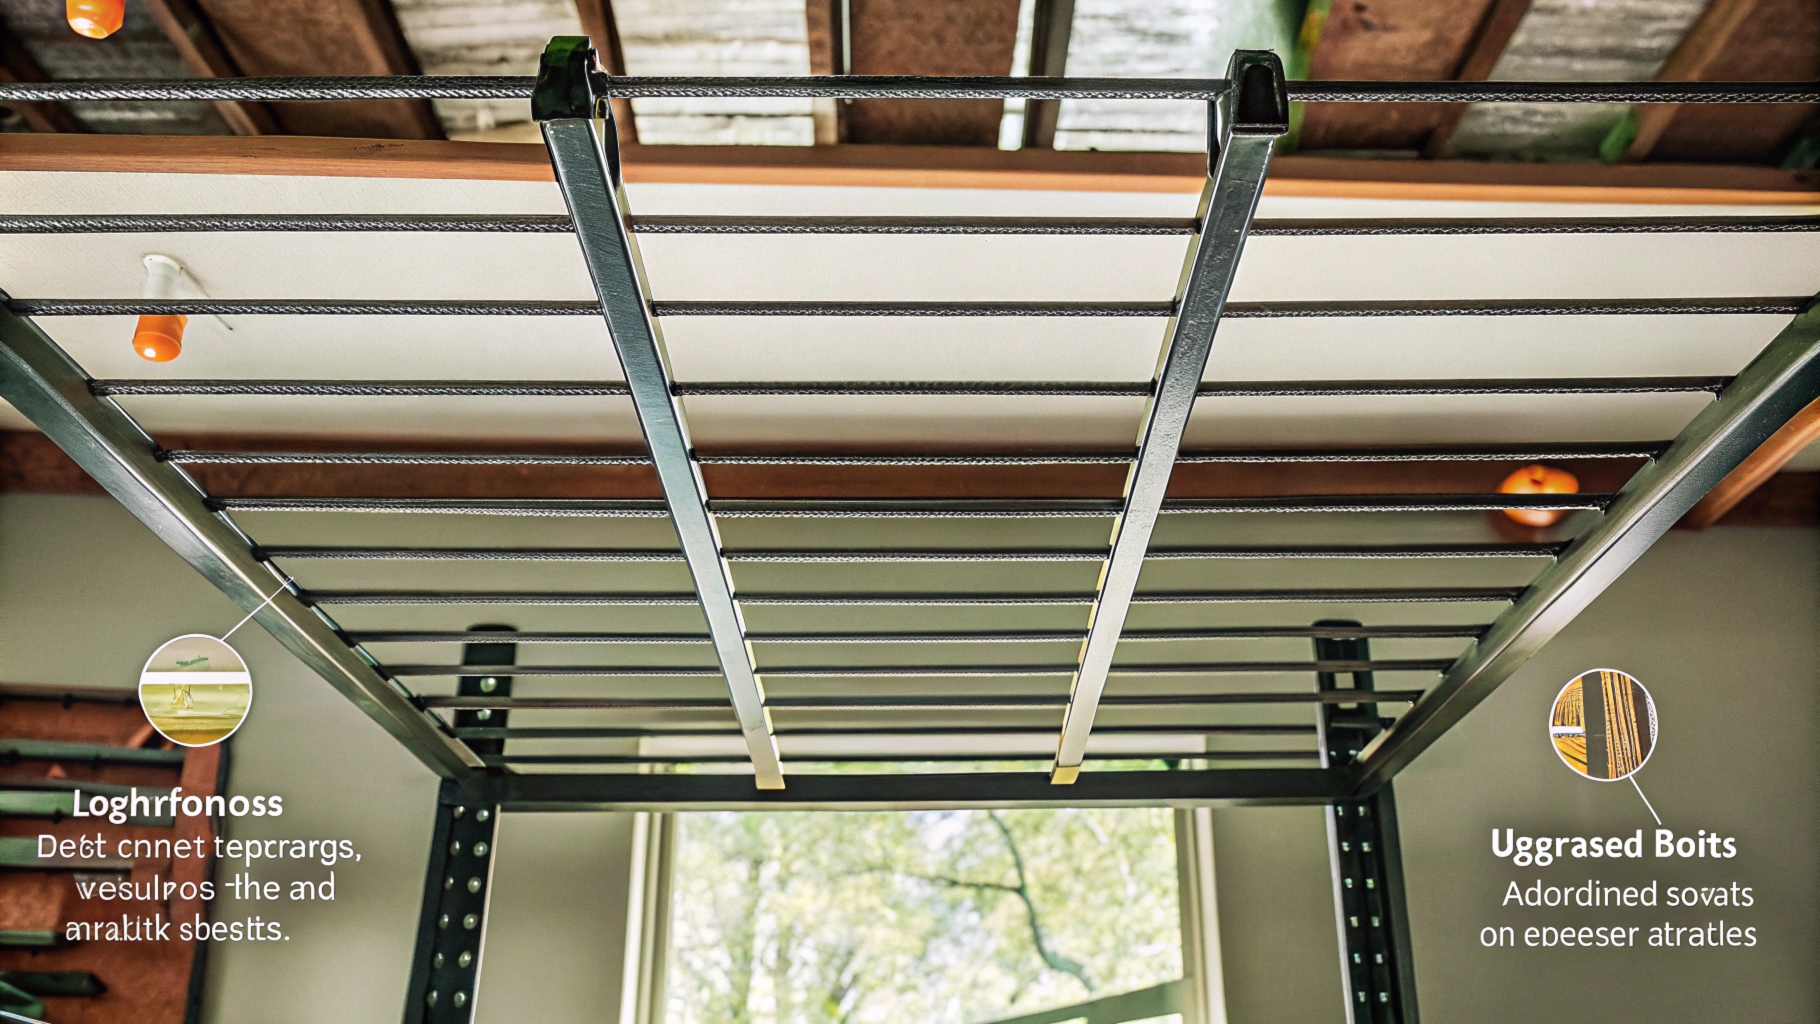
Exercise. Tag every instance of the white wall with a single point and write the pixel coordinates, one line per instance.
(86, 594)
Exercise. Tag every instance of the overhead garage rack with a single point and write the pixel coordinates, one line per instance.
(1353, 749)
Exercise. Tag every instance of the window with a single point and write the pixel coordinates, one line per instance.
(949, 916)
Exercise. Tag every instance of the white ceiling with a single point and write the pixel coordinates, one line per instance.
(462, 266)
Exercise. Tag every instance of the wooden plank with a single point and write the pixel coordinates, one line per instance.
(196, 42)
(325, 37)
(930, 37)
(1754, 471)
(17, 65)
(1736, 40)
(1052, 23)
(1494, 34)
(827, 56)
(921, 167)
(602, 27)
(1786, 499)
(1393, 40)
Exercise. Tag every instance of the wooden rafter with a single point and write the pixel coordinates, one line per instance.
(196, 42)
(828, 56)
(17, 65)
(1489, 42)
(325, 37)
(1758, 469)
(1052, 23)
(1697, 53)
(598, 21)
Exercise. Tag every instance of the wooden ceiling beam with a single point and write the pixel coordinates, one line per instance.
(1691, 61)
(1756, 470)
(196, 42)
(1052, 25)
(922, 167)
(325, 37)
(930, 37)
(1772, 41)
(17, 65)
(1488, 45)
(598, 21)
(828, 55)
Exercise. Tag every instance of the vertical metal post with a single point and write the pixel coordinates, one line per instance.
(1376, 965)
(567, 102)
(445, 970)
(1244, 126)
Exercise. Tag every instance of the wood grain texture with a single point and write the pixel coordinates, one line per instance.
(1778, 41)
(930, 37)
(1391, 40)
(920, 167)
(1488, 44)
(1764, 463)
(325, 37)
(598, 21)
(823, 19)
(17, 65)
(196, 42)
(1691, 62)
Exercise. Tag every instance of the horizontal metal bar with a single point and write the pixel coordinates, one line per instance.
(955, 671)
(1361, 595)
(475, 87)
(970, 637)
(162, 223)
(1027, 508)
(827, 556)
(1716, 306)
(12, 750)
(913, 389)
(635, 791)
(915, 701)
(606, 733)
(967, 757)
(1479, 453)
(208, 458)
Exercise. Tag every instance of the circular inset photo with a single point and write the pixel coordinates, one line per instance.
(196, 690)
(1604, 725)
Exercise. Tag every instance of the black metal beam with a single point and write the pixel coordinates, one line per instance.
(628, 791)
(1333, 595)
(841, 556)
(1780, 382)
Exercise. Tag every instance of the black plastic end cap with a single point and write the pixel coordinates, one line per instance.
(1261, 95)
(565, 81)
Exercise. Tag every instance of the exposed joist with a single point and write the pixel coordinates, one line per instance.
(325, 37)
(1052, 23)
(196, 42)
(17, 65)
(1488, 44)
(1692, 60)
(602, 27)
(829, 44)
(930, 37)
(1777, 40)
(1396, 40)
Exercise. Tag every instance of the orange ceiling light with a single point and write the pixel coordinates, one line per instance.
(159, 337)
(96, 19)
(1538, 479)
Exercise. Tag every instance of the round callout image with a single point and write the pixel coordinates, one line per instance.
(196, 690)
(1604, 725)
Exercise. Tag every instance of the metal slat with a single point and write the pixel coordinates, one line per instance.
(1342, 595)
(590, 185)
(835, 556)
(48, 388)
(922, 702)
(956, 671)
(1242, 130)
(970, 636)
(1780, 382)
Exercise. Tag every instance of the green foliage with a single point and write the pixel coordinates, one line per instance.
(794, 918)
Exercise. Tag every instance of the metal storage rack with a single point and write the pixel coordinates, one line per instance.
(1357, 749)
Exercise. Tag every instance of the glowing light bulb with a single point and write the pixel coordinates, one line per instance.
(159, 337)
(96, 19)
(1538, 479)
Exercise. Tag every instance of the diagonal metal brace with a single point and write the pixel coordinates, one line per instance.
(1780, 382)
(46, 385)
(1243, 128)
(585, 158)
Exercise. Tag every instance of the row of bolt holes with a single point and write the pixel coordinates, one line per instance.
(471, 921)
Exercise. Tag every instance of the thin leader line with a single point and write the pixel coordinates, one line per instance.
(262, 604)
(1646, 803)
